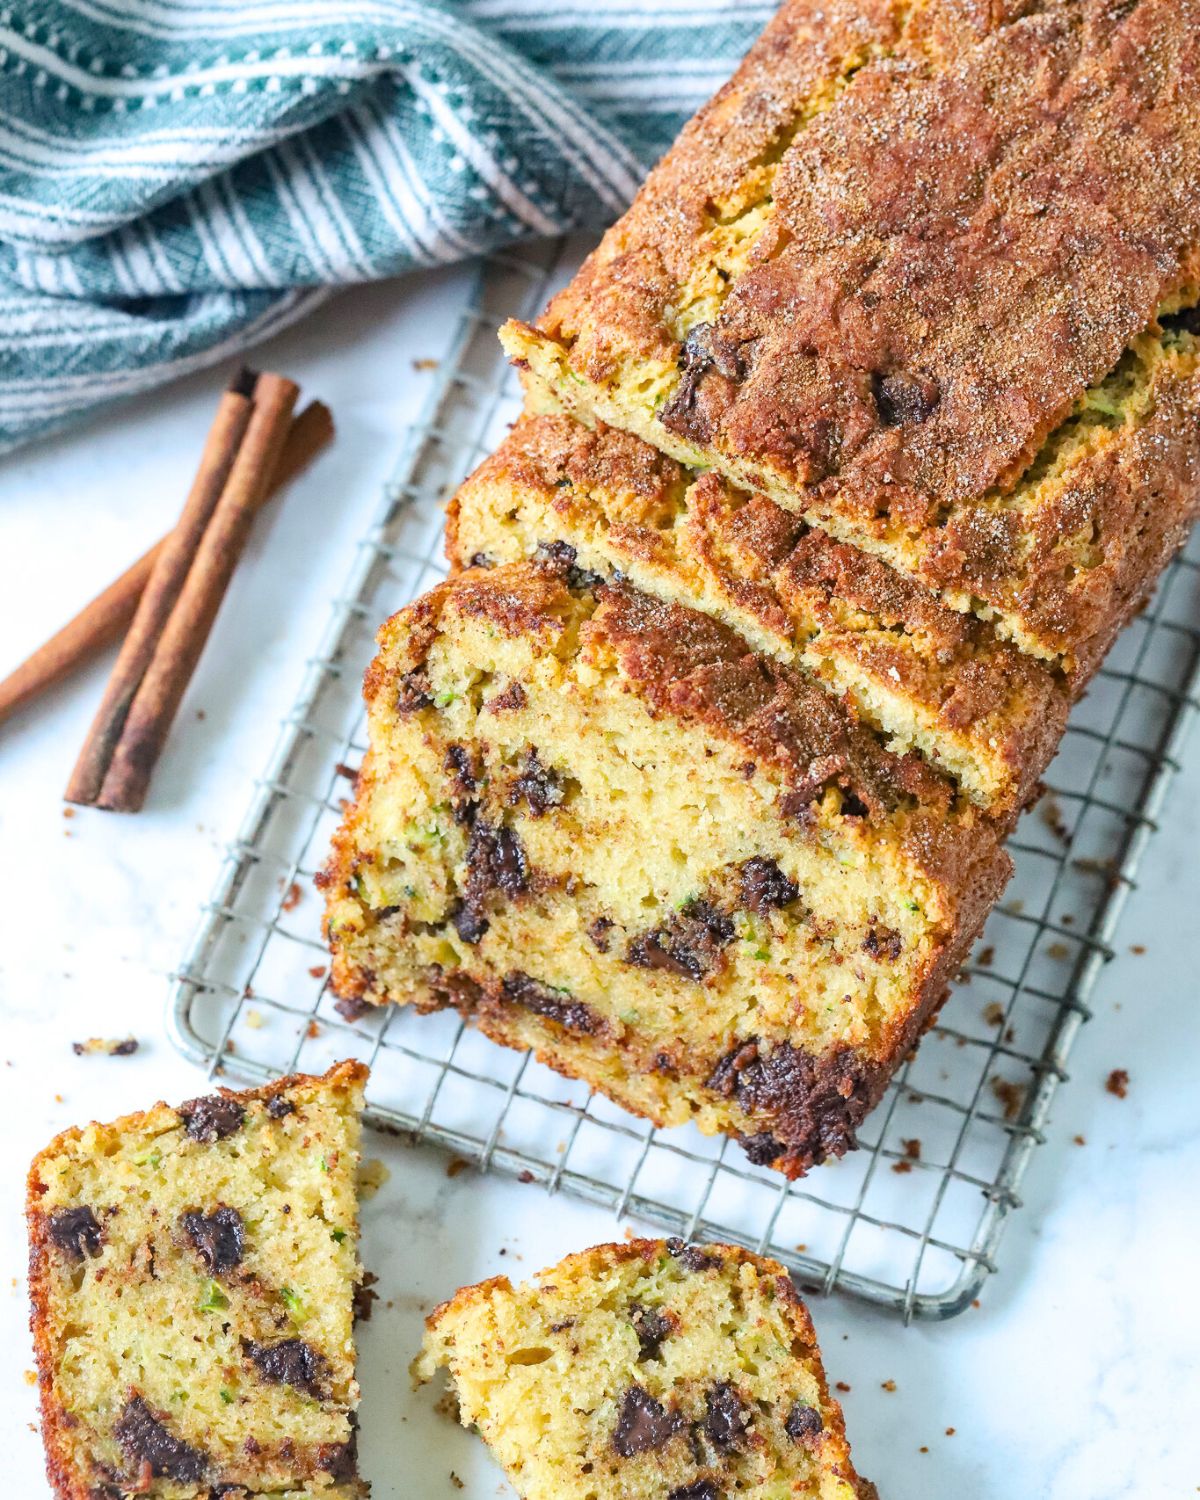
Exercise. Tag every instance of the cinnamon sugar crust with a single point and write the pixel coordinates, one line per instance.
(889, 264)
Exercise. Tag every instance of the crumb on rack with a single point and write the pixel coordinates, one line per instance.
(292, 898)
(887, 1385)
(106, 1046)
(1117, 1083)
(1010, 1096)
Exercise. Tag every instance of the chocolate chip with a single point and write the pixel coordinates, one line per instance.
(537, 785)
(883, 942)
(365, 1297)
(1186, 320)
(467, 922)
(762, 1149)
(803, 1423)
(555, 1005)
(903, 399)
(219, 1238)
(704, 349)
(339, 1460)
(726, 1416)
(289, 1362)
(462, 773)
(651, 1327)
(76, 1232)
(688, 944)
(853, 806)
(507, 700)
(598, 931)
(560, 558)
(703, 1489)
(413, 693)
(644, 1425)
(496, 860)
(724, 1076)
(146, 1440)
(212, 1118)
(351, 1008)
(279, 1106)
(692, 1257)
(481, 560)
(765, 885)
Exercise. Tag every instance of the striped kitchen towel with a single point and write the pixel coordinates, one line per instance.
(181, 178)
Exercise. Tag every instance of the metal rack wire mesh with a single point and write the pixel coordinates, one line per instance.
(914, 1227)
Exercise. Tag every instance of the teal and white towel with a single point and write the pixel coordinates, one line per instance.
(179, 179)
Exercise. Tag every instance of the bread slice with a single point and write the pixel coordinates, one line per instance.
(928, 678)
(602, 828)
(650, 1369)
(927, 275)
(192, 1274)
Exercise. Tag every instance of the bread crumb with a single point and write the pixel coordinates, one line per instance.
(30, 1377)
(424, 364)
(950, 1431)
(842, 1386)
(254, 1019)
(318, 971)
(887, 1385)
(455, 1165)
(372, 1174)
(312, 1031)
(987, 956)
(1138, 948)
(994, 1014)
(1079, 1140)
(1010, 1095)
(1118, 1083)
(292, 898)
(106, 1046)
(1058, 951)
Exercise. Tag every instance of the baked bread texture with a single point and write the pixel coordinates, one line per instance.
(192, 1274)
(927, 677)
(649, 1370)
(604, 829)
(927, 274)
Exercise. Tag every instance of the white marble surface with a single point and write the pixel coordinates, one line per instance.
(1078, 1376)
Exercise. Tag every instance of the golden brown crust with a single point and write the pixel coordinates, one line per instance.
(963, 237)
(56, 1423)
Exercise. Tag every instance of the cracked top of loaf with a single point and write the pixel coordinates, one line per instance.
(922, 271)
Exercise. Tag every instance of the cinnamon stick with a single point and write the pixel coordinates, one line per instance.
(157, 697)
(106, 618)
(162, 590)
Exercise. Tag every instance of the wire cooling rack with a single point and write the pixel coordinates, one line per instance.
(913, 1219)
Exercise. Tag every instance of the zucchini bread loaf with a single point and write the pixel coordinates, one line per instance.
(192, 1274)
(660, 1371)
(927, 274)
(603, 828)
(928, 678)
